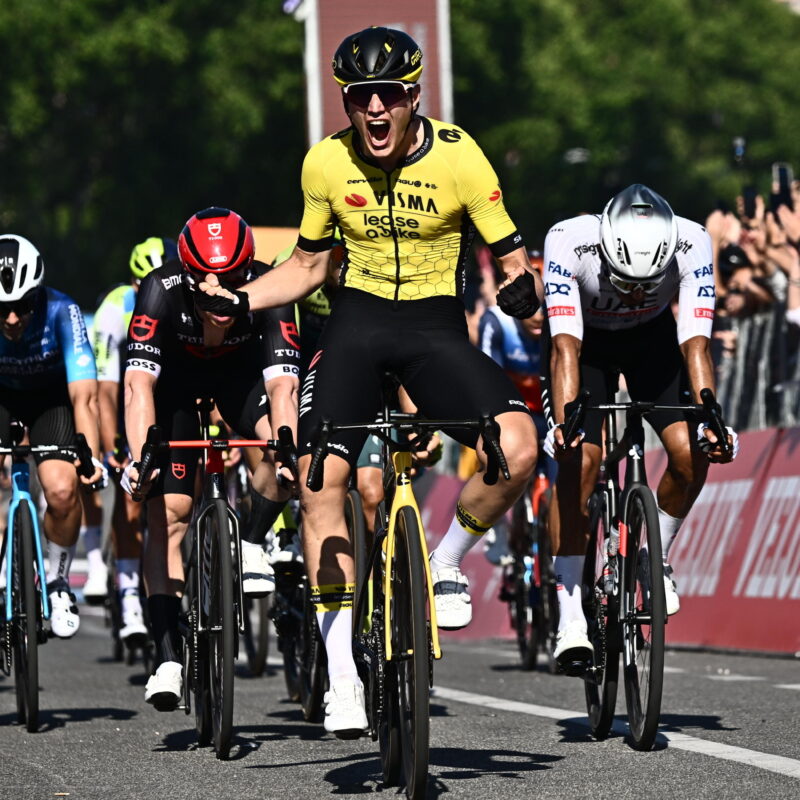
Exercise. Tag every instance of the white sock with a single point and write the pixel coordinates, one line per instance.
(463, 534)
(128, 575)
(669, 530)
(92, 536)
(334, 607)
(569, 571)
(59, 561)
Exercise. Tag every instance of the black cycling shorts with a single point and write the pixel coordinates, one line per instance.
(650, 359)
(424, 343)
(47, 413)
(241, 401)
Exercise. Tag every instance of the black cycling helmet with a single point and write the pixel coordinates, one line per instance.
(377, 54)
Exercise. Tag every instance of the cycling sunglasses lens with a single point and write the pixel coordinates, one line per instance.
(390, 94)
(19, 307)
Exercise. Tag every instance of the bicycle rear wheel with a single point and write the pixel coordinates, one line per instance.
(222, 628)
(547, 627)
(410, 638)
(525, 599)
(256, 633)
(25, 620)
(643, 617)
(601, 610)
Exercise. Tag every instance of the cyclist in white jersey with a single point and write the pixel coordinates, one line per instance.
(609, 283)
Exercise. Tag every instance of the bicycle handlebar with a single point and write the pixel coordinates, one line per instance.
(83, 452)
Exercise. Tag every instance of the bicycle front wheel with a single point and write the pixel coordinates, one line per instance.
(410, 639)
(24, 632)
(313, 663)
(221, 624)
(643, 617)
(601, 610)
(548, 600)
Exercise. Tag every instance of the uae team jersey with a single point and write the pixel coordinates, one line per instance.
(407, 232)
(579, 294)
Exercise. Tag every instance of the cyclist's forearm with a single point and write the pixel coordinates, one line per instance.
(107, 400)
(83, 395)
(565, 372)
(283, 404)
(140, 412)
(699, 366)
(297, 277)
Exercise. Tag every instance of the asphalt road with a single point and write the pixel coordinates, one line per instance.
(730, 728)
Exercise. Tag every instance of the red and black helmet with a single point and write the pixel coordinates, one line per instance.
(216, 240)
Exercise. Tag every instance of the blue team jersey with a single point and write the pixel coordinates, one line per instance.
(502, 338)
(54, 348)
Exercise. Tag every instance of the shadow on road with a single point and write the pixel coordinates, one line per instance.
(52, 718)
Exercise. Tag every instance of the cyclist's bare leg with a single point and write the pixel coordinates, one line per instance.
(370, 487)
(168, 518)
(126, 525)
(569, 515)
(329, 562)
(62, 518)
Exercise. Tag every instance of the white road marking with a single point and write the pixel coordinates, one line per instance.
(680, 741)
(735, 678)
(788, 686)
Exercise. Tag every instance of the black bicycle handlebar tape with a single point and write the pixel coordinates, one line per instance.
(85, 466)
(150, 449)
(574, 415)
(715, 421)
(287, 451)
(495, 457)
(316, 470)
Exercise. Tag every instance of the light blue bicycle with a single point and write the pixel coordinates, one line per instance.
(25, 602)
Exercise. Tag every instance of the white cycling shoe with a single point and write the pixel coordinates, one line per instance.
(133, 631)
(451, 598)
(95, 590)
(258, 577)
(345, 714)
(671, 592)
(165, 687)
(284, 548)
(574, 651)
(64, 619)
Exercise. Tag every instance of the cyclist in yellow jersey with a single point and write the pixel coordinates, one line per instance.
(407, 192)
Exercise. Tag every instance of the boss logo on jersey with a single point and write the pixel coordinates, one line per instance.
(704, 271)
(450, 135)
(147, 348)
(356, 200)
(582, 249)
(214, 229)
(171, 282)
(560, 311)
(143, 327)
(684, 246)
(557, 269)
(706, 291)
(413, 202)
(290, 333)
(142, 364)
(377, 226)
(556, 288)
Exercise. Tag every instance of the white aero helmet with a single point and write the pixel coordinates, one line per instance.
(638, 237)
(21, 267)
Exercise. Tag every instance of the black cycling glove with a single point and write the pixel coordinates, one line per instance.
(518, 299)
(222, 306)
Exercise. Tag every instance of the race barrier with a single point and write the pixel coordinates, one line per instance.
(736, 558)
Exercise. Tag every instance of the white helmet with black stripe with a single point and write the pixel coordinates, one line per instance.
(21, 267)
(638, 238)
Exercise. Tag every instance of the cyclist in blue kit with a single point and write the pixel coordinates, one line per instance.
(48, 379)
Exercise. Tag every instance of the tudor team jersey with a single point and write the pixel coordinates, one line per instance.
(502, 338)
(54, 348)
(579, 295)
(408, 231)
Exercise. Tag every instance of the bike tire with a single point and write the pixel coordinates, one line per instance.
(411, 641)
(222, 628)
(643, 617)
(256, 633)
(357, 531)
(386, 723)
(602, 619)
(313, 664)
(547, 627)
(196, 669)
(523, 611)
(25, 620)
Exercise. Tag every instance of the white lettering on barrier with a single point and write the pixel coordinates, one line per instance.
(771, 567)
(708, 535)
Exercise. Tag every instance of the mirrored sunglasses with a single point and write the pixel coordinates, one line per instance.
(629, 287)
(390, 93)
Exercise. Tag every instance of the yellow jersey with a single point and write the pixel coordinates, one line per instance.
(407, 232)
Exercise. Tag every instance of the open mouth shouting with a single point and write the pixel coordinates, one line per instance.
(379, 131)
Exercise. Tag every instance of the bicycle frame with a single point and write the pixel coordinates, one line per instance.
(20, 493)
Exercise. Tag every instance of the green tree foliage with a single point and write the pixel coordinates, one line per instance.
(122, 119)
(654, 92)
(119, 120)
